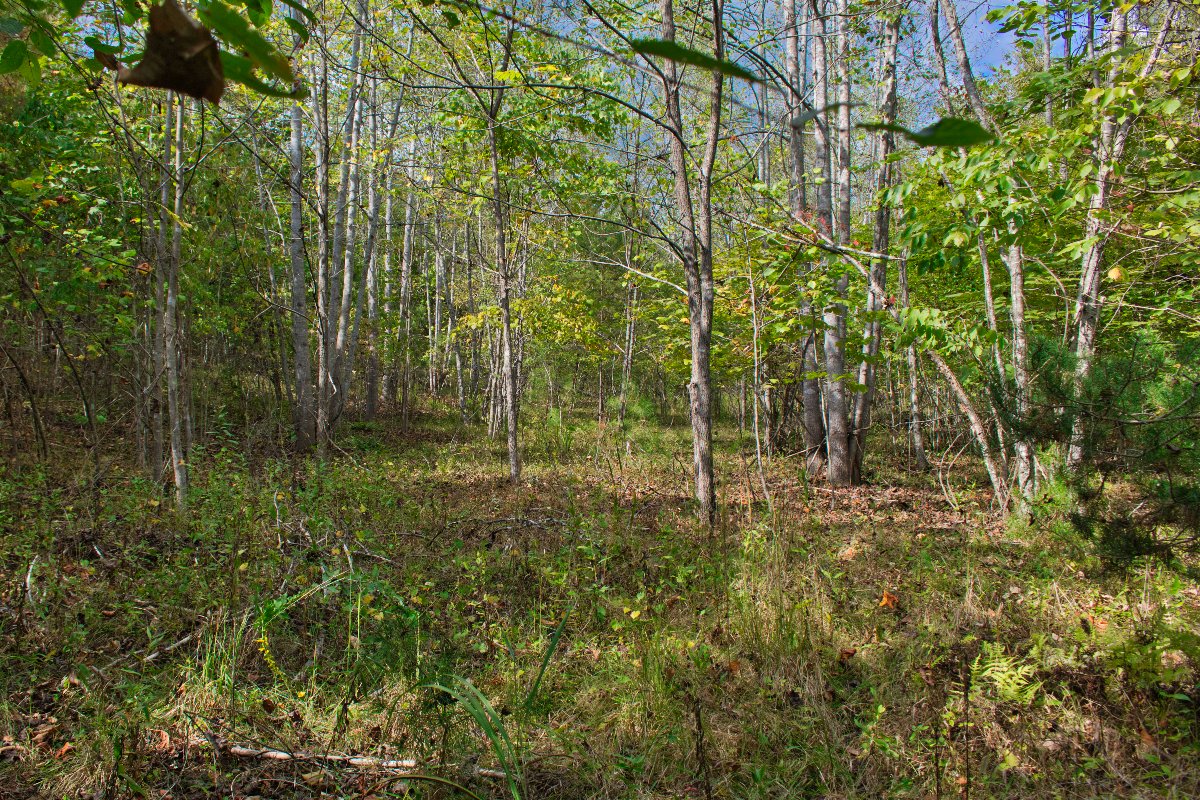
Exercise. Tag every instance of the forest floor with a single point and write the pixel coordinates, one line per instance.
(590, 638)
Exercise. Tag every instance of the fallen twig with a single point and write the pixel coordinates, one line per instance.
(366, 762)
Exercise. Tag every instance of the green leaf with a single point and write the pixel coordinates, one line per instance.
(297, 26)
(236, 31)
(42, 41)
(947, 132)
(301, 8)
(73, 7)
(673, 51)
(241, 70)
(24, 185)
(11, 26)
(14, 55)
(550, 648)
(99, 46)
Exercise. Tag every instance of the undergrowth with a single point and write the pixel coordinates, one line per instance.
(580, 634)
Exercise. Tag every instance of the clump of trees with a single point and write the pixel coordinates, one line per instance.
(819, 217)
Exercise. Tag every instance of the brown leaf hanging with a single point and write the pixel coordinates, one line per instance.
(181, 55)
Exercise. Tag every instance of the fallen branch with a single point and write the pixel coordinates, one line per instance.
(366, 762)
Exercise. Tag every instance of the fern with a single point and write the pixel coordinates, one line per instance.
(1011, 679)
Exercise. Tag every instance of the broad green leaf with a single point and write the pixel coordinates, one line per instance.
(99, 46)
(14, 55)
(11, 26)
(951, 132)
(241, 70)
(673, 51)
(297, 26)
(42, 41)
(31, 70)
(237, 31)
(947, 132)
(301, 8)
(72, 7)
(24, 185)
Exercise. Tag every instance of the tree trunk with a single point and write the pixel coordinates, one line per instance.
(910, 354)
(511, 380)
(814, 412)
(176, 404)
(324, 329)
(696, 251)
(1114, 133)
(970, 88)
(877, 291)
(994, 469)
(631, 299)
(837, 424)
(303, 418)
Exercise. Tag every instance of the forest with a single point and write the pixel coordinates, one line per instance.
(599, 399)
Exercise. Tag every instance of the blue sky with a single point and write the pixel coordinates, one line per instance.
(989, 46)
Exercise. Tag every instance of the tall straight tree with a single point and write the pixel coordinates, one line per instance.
(695, 250)
(877, 288)
(303, 418)
(797, 50)
(833, 212)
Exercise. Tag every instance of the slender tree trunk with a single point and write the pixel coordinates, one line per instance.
(303, 417)
(910, 355)
(877, 291)
(995, 469)
(176, 404)
(342, 341)
(1024, 455)
(939, 58)
(796, 52)
(406, 282)
(696, 250)
(324, 427)
(161, 271)
(970, 88)
(814, 414)
(511, 380)
(1114, 133)
(840, 468)
(631, 299)
(368, 293)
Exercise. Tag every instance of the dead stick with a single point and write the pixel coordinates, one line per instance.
(369, 762)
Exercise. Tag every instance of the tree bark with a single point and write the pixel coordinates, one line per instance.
(176, 404)
(877, 290)
(910, 355)
(303, 418)
(1114, 133)
(837, 423)
(814, 414)
(695, 251)
(970, 88)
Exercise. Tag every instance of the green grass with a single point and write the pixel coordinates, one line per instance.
(869, 643)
